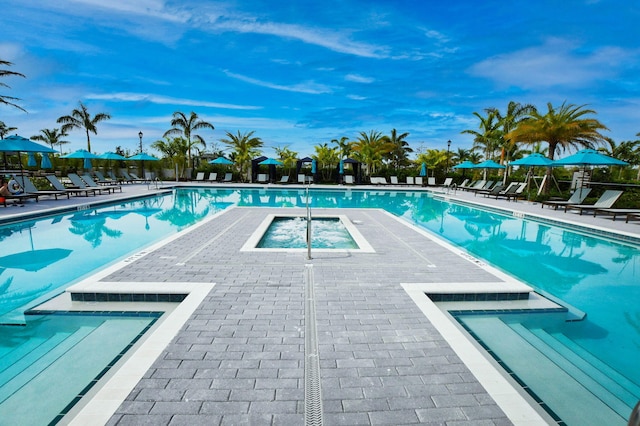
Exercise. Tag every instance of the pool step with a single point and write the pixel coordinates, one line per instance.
(34, 395)
(14, 354)
(561, 392)
(25, 369)
(580, 370)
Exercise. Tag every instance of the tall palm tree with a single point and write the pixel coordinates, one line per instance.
(400, 154)
(4, 99)
(185, 126)
(327, 158)
(288, 157)
(628, 151)
(245, 147)
(174, 149)
(344, 146)
(371, 148)
(52, 137)
(562, 128)
(81, 119)
(488, 136)
(515, 114)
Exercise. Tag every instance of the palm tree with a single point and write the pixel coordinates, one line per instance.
(185, 126)
(289, 158)
(81, 119)
(628, 151)
(245, 147)
(52, 137)
(562, 128)
(4, 99)
(487, 138)
(515, 114)
(344, 147)
(327, 158)
(174, 149)
(370, 149)
(5, 130)
(400, 154)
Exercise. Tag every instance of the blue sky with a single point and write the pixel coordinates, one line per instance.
(303, 73)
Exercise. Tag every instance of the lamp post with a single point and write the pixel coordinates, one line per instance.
(448, 148)
(140, 136)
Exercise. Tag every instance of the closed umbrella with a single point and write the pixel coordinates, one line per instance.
(423, 169)
(46, 161)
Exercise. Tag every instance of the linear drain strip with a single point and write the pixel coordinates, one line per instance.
(312, 388)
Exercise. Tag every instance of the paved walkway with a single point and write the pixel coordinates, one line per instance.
(240, 359)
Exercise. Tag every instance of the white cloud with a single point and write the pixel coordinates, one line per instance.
(306, 87)
(356, 78)
(164, 100)
(331, 39)
(555, 63)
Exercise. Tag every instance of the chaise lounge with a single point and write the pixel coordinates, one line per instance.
(606, 201)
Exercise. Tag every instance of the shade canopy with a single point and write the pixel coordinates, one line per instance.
(488, 164)
(112, 156)
(81, 153)
(33, 260)
(590, 157)
(534, 160)
(465, 165)
(16, 143)
(143, 157)
(221, 160)
(271, 162)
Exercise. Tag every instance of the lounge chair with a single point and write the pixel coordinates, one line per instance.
(514, 192)
(77, 182)
(576, 198)
(30, 188)
(494, 191)
(92, 184)
(228, 177)
(101, 179)
(410, 180)
(431, 181)
(348, 180)
(25, 195)
(418, 181)
(55, 182)
(117, 179)
(447, 182)
(199, 177)
(464, 183)
(606, 201)
(479, 184)
(394, 180)
(632, 216)
(131, 178)
(379, 180)
(284, 180)
(262, 178)
(213, 176)
(139, 179)
(616, 212)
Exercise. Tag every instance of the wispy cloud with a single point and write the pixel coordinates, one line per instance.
(555, 63)
(306, 87)
(331, 39)
(148, 8)
(165, 100)
(357, 78)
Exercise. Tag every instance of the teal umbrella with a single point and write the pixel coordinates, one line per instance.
(590, 157)
(222, 161)
(488, 164)
(112, 156)
(143, 157)
(423, 169)
(15, 143)
(465, 165)
(271, 162)
(31, 162)
(534, 160)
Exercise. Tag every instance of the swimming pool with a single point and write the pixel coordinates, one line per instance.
(595, 275)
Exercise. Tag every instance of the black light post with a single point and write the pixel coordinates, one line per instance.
(448, 148)
(140, 136)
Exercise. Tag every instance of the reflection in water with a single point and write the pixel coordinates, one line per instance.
(92, 226)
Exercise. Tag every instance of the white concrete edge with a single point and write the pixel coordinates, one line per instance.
(252, 242)
(105, 402)
(515, 406)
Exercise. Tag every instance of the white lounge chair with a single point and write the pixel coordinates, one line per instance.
(348, 180)
(419, 181)
(410, 180)
(576, 198)
(213, 176)
(606, 201)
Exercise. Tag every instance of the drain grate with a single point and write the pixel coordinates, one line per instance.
(312, 388)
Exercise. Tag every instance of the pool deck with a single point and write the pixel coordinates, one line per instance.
(382, 353)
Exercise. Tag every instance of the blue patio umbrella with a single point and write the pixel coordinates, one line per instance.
(84, 154)
(143, 157)
(112, 156)
(534, 160)
(46, 161)
(590, 157)
(314, 167)
(271, 162)
(341, 169)
(488, 164)
(465, 165)
(423, 169)
(31, 162)
(222, 161)
(18, 144)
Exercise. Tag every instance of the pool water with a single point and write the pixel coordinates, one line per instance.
(595, 275)
(291, 232)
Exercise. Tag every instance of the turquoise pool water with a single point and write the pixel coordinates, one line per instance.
(291, 232)
(598, 276)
